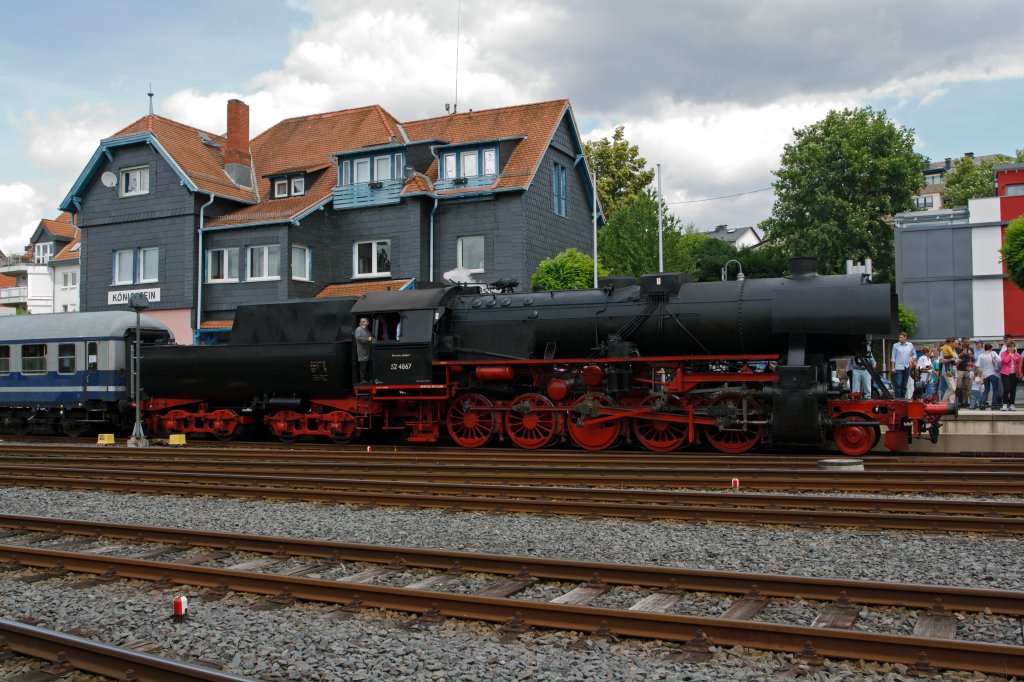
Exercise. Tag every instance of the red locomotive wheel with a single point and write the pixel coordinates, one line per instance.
(285, 425)
(340, 426)
(734, 440)
(175, 421)
(528, 427)
(600, 436)
(471, 420)
(661, 436)
(855, 440)
(224, 424)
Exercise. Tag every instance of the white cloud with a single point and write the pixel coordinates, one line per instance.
(63, 141)
(21, 208)
(716, 150)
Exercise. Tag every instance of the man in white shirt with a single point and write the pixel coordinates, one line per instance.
(903, 356)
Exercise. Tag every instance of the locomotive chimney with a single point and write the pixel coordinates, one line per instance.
(803, 267)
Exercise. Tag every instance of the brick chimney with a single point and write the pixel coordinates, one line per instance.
(237, 160)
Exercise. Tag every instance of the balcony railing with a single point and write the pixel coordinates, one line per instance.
(362, 194)
(7, 261)
(13, 293)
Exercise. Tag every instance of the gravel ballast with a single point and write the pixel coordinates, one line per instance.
(303, 643)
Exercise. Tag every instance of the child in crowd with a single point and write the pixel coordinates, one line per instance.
(977, 389)
(925, 374)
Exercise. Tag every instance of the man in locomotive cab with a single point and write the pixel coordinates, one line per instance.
(364, 341)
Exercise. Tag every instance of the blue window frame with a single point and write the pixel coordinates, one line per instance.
(558, 189)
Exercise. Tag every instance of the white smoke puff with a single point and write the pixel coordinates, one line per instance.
(459, 276)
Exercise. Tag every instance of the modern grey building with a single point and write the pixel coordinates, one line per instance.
(203, 222)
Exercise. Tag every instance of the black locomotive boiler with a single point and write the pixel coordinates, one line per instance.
(663, 364)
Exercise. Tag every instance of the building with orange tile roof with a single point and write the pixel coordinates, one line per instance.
(202, 222)
(36, 281)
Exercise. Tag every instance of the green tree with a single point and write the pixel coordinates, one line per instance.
(838, 183)
(629, 242)
(1013, 251)
(907, 320)
(709, 257)
(621, 171)
(970, 179)
(570, 269)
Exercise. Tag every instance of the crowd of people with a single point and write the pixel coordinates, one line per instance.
(975, 375)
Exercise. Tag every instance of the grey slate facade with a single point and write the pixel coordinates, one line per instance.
(186, 209)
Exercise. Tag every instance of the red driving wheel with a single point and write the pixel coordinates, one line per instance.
(599, 436)
(529, 427)
(661, 436)
(471, 420)
(733, 440)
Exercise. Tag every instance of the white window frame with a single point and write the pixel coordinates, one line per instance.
(270, 261)
(449, 167)
(69, 279)
(42, 252)
(118, 277)
(1015, 190)
(459, 245)
(382, 163)
(298, 185)
(144, 274)
(140, 174)
(346, 172)
(280, 188)
(490, 161)
(224, 256)
(470, 159)
(306, 258)
(361, 167)
(373, 259)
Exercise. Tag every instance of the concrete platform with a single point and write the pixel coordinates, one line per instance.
(976, 431)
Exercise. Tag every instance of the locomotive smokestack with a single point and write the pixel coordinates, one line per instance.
(803, 267)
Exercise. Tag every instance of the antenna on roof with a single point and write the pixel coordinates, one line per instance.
(150, 93)
(458, 33)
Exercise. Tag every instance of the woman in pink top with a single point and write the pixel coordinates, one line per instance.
(1010, 373)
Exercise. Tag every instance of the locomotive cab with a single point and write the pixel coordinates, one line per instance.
(404, 329)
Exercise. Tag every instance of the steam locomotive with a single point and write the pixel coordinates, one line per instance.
(663, 364)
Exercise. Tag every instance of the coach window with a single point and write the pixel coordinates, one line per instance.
(66, 358)
(5, 359)
(33, 358)
(92, 353)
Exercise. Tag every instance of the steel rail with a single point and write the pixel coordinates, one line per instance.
(990, 483)
(440, 455)
(193, 485)
(877, 593)
(955, 654)
(745, 500)
(103, 659)
(637, 469)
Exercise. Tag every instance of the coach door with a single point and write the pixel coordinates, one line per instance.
(90, 369)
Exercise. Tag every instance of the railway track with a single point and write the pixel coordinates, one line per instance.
(874, 512)
(69, 652)
(198, 450)
(427, 583)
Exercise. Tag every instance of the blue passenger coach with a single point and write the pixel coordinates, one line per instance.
(66, 371)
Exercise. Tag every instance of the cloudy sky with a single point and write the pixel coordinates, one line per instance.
(710, 89)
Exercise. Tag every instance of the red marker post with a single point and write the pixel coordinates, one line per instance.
(180, 608)
(735, 485)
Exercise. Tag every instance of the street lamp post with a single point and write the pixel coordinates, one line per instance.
(138, 303)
